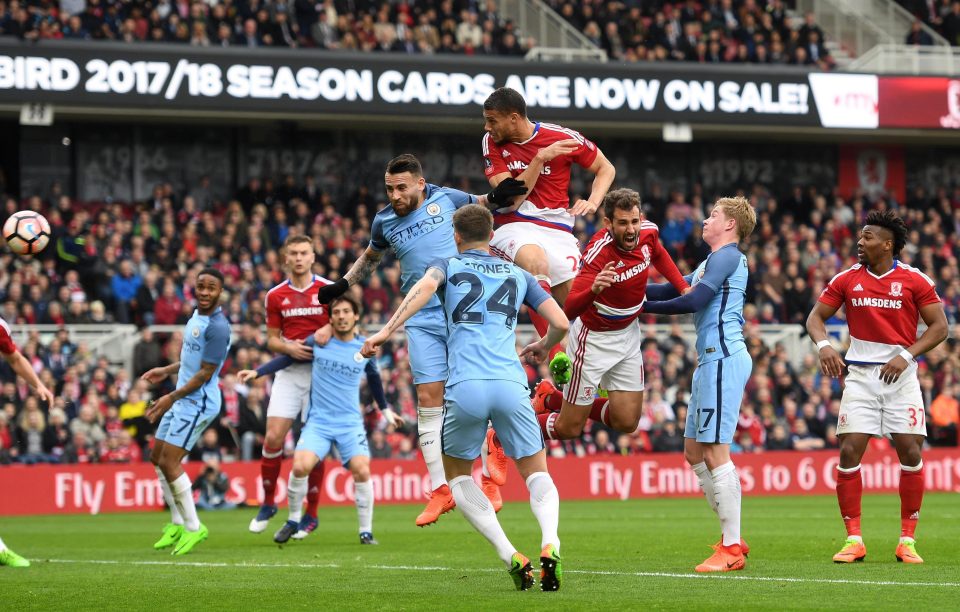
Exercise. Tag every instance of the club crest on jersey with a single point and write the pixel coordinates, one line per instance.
(357, 357)
(315, 299)
(645, 251)
(196, 332)
(896, 289)
(588, 391)
(842, 422)
(433, 209)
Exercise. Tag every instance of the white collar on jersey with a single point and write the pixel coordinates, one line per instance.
(312, 281)
(895, 265)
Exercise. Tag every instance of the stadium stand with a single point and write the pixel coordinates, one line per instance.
(116, 263)
(711, 32)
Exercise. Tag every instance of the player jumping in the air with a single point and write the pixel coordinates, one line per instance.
(189, 409)
(537, 235)
(293, 315)
(605, 337)
(417, 226)
(884, 300)
(22, 368)
(723, 368)
(334, 416)
(480, 296)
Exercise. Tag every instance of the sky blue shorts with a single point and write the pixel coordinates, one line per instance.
(427, 345)
(470, 404)
(350, 442)
(715, 398)
(184, 422)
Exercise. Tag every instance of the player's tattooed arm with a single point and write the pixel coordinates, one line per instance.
(364, 266)
(416, 299)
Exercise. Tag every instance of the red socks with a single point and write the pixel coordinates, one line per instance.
(849, 494)
(269, 472)
(314, 484)
(911, 496)
(546, 421)
(599, 411)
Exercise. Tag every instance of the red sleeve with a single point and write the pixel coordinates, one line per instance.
(581, 295)
(586, 154)
(7, 345)
(493, 163)
(925, 292)
(833, 294)
(274, 319)
(665, 265)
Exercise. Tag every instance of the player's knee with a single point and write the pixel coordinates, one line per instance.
(361, 473)
(692, 456)
(301, 468)
(624, 423)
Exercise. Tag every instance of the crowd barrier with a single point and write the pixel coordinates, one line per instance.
(51, 489)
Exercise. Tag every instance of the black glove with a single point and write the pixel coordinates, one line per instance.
(332, 291)
(507, 189)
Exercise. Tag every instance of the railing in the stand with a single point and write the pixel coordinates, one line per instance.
(559, 39)
(908, 59)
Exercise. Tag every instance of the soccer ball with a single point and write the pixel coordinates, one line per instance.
(26, 232)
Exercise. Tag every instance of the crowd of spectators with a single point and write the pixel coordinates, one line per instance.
(711, 31)
(138, 264)
(941, 15)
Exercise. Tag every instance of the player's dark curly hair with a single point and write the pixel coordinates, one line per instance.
(405, 163)
(620, 199)
(506, 100)
(891, 222)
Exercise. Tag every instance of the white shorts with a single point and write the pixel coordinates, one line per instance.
(561, 247)
(611, 360)
(871, 406)
(290, 395)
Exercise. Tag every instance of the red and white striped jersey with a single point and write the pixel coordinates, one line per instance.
(547, 203)
(297, 313)
(882, 311)
(7, 345)
(618, 305)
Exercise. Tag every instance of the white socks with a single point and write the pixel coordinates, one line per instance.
(175, 517)
(183, 498)
(706, 483)
(363, 497)
(296, 491)
(545, 503)
(429, 424)
(3, 546)
(478, 511)
(726, 486)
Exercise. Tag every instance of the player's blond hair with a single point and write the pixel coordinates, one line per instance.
(740, 210)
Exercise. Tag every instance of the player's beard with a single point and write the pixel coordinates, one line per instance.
(408, 205)
(627, 245)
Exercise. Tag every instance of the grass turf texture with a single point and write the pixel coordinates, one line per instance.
(617, 555)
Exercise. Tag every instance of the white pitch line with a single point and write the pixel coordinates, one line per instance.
(427, 568)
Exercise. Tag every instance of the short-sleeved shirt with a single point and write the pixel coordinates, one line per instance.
(421, 236)
(720, 325)
(547, 203)
(335, 393)
(481, 296)
(882, 311)
(297, 313)
(206, 339)
(7, 345)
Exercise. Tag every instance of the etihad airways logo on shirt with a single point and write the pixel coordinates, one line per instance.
(872, 302)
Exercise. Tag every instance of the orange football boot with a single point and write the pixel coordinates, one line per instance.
(907, 553)
(492, 491)
(441, 502)
(496, 459)
(743, 546)
(853, 551)
(544, 390)
(724, 559)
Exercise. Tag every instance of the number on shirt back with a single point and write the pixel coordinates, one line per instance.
(503, 301)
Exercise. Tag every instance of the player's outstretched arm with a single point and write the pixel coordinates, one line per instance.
(274, 365)
(24, 370)
(158, 408)
(499, 197)
(657, 292)
(693, 301)
(416, 299)
(666, 266)
(556, 332)
(936, 332)
(360, 270)
(604, 174)
(831, 363)
(296, 350)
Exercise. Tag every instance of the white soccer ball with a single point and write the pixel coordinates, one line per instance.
(26, 232)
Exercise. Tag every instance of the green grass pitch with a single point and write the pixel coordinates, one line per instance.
(617, 556)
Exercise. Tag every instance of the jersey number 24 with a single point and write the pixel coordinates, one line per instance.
(503, 301)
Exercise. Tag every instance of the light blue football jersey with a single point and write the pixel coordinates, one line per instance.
(206, 339)
(481, 295)
(335, 393)
(421, 236)
(720, 324)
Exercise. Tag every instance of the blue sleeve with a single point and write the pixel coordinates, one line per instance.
(375, 385)
(441, 264)
(665, 291)
(536, 295)
(274, 365)
(694, 301)
(720, 265)
(459, 198)
(216, 343)
(377, 241)
(309, 341)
